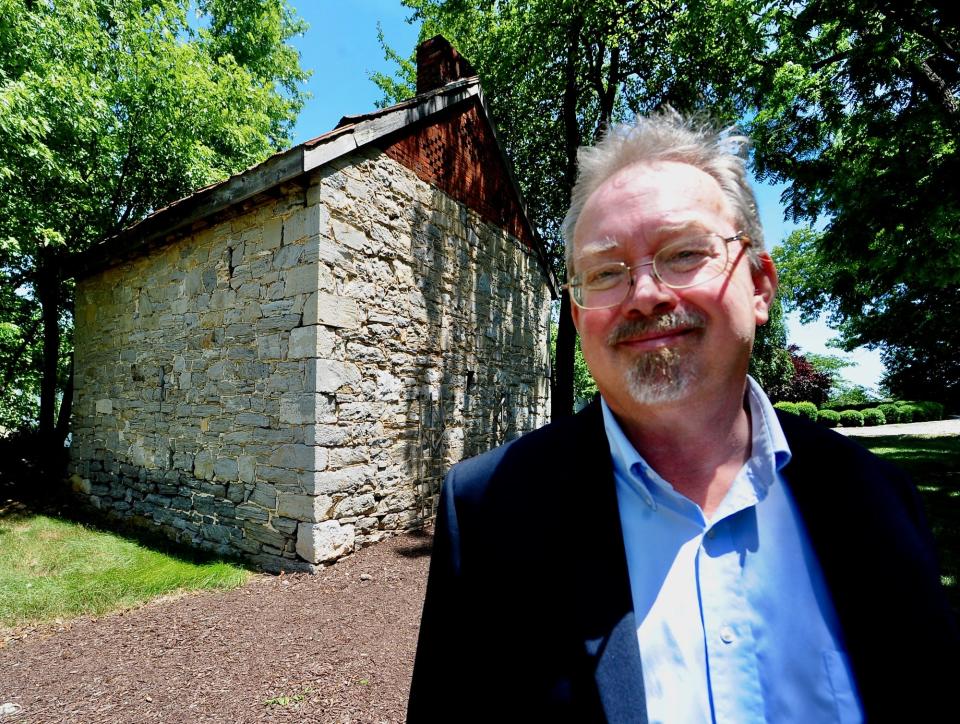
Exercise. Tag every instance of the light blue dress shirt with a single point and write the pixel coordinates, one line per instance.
(734, 620)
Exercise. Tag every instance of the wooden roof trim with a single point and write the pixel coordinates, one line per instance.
(353, 132)
(379, 125)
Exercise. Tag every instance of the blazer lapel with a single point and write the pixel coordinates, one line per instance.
(603, 586)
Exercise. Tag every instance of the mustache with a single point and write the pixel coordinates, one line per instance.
(680, 319)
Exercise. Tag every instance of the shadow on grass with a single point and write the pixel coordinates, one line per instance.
(934, 464)
(32, 482)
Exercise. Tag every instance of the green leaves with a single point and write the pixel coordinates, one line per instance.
(859, 113)
(558, 73)
(110, 109)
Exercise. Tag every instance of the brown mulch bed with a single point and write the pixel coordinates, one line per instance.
(337, 646)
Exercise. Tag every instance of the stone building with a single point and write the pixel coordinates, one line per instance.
(284, 365)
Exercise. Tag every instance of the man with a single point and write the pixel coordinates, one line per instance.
(677, 552)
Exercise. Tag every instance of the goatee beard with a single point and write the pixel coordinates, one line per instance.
(660, 375)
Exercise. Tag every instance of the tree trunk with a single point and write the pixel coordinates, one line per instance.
(66, 406)
(561, 401)
(48, 292)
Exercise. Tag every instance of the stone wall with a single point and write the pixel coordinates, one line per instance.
(295, 379)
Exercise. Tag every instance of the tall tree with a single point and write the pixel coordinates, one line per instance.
(859, 114)
(114, 108)
(559, 72)
(771, 364)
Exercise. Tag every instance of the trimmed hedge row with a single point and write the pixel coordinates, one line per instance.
(830, 418)
(884, 414)
(851, 418)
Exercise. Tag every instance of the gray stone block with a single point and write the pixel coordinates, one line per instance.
(279, 476)
(217, 533)
(277, 564)
(346, 480)
(287, 526)
(224, 509)
(312, 341)
(203, 465)
(265, 535)
(321, 542)
(289, 256)
(265, 495)
(310, 508)
(252, 419)
(331, 310)
(272, 234)
(248, 511)
(330, 375)
(355, 506)
(328, 435)
(226, 469)
(349, 236)
(214, 489)
(205, 505)
(345, 456)
(246, 468)
(299, 457)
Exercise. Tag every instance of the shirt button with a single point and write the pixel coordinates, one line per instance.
(726, 634)
(712, 533)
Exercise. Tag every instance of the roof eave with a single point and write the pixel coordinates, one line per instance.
(183, 214)
(353, 133)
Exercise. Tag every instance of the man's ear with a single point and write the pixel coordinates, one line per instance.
(764, 287)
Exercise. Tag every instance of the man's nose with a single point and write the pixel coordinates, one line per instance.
(647, 294)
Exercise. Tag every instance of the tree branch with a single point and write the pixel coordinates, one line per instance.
(926, 32)
(610, 93)
(830, 60)
(937, 88)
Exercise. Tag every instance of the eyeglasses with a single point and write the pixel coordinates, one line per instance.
(681, 264)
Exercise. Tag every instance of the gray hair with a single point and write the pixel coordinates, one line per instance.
(669, 136)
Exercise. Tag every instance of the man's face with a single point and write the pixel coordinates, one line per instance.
(662, 346)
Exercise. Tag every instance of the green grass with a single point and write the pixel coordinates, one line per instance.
(934, 463)
(55, 569)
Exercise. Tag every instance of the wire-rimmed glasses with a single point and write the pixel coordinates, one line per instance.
(681, 264)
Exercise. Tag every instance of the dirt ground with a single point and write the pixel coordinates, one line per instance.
(337, 646)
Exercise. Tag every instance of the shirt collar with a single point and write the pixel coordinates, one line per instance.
(769, 442)
(769, 452)
(628, 464)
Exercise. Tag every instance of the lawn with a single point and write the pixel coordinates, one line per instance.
(52, 568)
(934, 463)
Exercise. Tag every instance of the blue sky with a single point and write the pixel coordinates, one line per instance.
(341, 49)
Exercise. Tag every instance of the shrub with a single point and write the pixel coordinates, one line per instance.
(830, 418)
(891, 413)
(920, 412)
(907, 412)
(930, 410)
(790, 407)
(872, 416)
(851, 418)
(807, 410)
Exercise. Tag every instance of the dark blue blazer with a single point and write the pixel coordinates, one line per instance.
(528, 614)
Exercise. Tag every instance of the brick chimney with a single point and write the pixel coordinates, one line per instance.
(439, 63)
